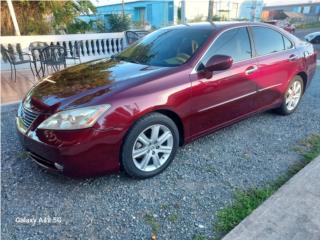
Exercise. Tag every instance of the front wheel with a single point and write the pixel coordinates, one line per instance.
(292, 96)
(150, 146)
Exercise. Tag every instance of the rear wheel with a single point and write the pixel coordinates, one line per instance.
(292, 96)
(150, 146)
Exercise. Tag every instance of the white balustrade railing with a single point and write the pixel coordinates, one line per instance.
(91, 46)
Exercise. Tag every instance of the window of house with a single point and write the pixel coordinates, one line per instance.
(306, 10)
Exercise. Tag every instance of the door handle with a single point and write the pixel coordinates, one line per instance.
(251, 70)
(292, 58)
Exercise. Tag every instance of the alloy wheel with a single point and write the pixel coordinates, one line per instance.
(152, 148)
(293, 95)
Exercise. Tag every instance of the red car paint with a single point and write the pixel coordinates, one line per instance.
(199, 103)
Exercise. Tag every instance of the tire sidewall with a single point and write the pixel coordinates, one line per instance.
(145, 122)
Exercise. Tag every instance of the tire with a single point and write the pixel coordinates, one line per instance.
(141, 155)
(286, 108)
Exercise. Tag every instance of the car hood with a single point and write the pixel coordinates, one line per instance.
(88, 83)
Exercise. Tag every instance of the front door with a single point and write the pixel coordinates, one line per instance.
(226, 95)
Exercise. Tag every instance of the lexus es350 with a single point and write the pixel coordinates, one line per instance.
(179, 83)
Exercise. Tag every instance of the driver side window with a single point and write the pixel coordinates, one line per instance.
(234, 43)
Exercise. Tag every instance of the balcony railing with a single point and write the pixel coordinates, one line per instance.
(92, 46)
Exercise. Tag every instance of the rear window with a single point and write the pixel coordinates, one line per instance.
(267, 40)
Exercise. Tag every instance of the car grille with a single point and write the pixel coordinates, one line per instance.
(27, 116)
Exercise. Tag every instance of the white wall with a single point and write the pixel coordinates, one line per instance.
(92, 46)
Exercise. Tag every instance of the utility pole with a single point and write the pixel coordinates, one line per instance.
(14, 18)
(122, 8)
(253, 10)
(210, 11)
(183, 11)
(175, 11)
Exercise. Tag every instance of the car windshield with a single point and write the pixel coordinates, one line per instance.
(166, 47)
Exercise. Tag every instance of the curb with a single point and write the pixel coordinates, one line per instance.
(292, 212)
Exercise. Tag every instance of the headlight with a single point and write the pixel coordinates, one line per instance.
(75, 118)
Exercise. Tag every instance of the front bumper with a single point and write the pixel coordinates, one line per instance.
(78, 153)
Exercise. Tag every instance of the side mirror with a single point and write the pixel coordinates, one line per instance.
(218, 63)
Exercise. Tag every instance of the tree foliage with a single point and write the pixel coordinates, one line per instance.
(79, 26)
(119, 22)
(45, 17)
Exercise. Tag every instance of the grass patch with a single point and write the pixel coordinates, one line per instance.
(202, 237)
(22, 154)
(308, 25)
(246, 201)
(173, 218)
(152, 222)
(313, 144)
(199, 237)
(164, 206)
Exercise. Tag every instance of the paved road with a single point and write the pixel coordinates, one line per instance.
(292, 213)
(180, 202)
(300, 33)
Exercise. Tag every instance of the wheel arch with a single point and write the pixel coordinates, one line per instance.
(304, 77)
(176, 119)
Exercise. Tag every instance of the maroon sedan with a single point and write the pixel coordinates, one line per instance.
(176, 84)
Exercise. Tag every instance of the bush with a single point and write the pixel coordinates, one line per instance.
(119, 22)
(197, 18)
(216, 18)
(79, 26)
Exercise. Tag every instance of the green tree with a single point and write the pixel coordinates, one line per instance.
(119, 22)
(79, 26)
(44, 17)
(65, 13)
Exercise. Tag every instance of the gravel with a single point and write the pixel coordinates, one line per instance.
(178, 203)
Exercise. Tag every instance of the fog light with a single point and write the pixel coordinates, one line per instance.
(58, 166)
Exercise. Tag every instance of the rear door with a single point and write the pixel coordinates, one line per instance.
(277, 60)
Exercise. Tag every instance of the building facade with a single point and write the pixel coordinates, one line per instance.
(310, 12)
(144, 14)
(225, 9)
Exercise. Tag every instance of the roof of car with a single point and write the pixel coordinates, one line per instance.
(216, 25)
(224, 25)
